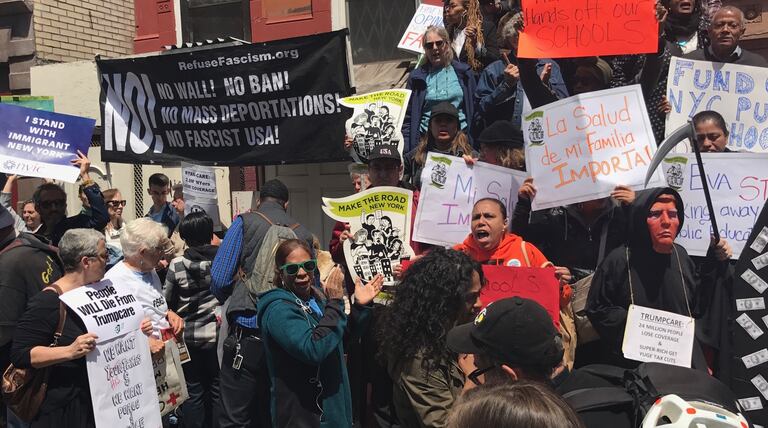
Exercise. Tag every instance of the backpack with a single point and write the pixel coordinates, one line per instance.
(262, 274)
(638, 389)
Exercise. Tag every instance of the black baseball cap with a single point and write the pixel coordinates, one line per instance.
(445, 108)
(384, 151)
(502, 133)
(512, 330)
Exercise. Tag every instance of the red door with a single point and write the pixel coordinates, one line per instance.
(282, 19)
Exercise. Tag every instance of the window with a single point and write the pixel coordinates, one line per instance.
(281, 10)
(208, 19)
(375, 28)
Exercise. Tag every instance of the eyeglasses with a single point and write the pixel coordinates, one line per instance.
(439, 44)
(475, 375)
(55, 202)
(292, 269)
(115, 204)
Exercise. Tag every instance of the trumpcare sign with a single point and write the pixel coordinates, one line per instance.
(120, 373)
(256, 104)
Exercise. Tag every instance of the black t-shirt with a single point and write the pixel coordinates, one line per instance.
(68, 381)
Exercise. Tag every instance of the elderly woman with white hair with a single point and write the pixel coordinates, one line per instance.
(144, 241)
(67, 401)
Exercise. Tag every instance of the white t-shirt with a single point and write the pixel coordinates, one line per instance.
(148, 292)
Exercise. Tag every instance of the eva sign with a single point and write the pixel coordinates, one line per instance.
(652, 335)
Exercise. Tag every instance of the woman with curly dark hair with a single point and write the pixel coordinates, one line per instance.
(439, 291)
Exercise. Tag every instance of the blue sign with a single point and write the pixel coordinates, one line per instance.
(37, 143)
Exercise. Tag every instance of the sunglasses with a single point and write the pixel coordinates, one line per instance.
(475, 375)
(439, 44)
(115, 204)
(292, 269)
(52, 203)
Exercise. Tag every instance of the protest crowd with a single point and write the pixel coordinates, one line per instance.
(267, 326)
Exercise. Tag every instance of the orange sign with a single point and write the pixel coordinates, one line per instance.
(578, 28)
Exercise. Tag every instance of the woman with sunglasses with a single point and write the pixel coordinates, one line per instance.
(439, 291)
(302, 328)
(115, 204)
(441, 78)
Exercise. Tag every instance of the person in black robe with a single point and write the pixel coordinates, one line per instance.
(663, 276)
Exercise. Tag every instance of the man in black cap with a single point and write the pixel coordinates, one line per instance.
(515, 338)
(501, 144)
(244, 383)
(511, 339)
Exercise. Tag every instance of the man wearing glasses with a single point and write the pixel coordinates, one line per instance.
(51, 202)
(515, 339)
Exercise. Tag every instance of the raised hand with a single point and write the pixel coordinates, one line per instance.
(364, 294)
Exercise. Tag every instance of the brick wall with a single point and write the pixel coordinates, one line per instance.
(70, 30)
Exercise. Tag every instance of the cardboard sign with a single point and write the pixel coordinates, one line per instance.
(380, 223)
(576, 28)
(122, 385)
(537, 284)
(376, 120)
(425, 16)
(737, 92)
(208, 206)
(38, 143)
(169, 379)
(652, 335)
(119, 370)
(106, 310)
(198, 181)
(580, 148)
(737, 183)
(449, 190)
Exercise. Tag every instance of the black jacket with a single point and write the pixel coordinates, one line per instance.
(25, 269)
(656, 283)
(564, 237)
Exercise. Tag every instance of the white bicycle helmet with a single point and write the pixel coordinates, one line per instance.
(671, 411)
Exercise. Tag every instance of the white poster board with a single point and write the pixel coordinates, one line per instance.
(120, 374)
(737, 183)
(198, 181)
(425, 16)
(580, 148)
(449, 190)
(737, 92)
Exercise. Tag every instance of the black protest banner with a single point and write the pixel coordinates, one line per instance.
(749, 367)
(258, 104)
